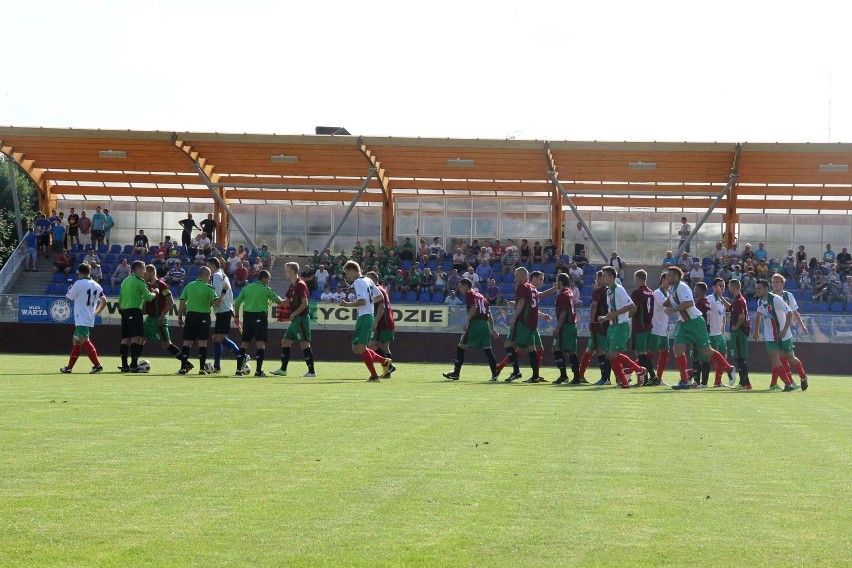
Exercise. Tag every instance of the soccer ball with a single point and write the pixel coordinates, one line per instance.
(208, 367)
(144, 366)
(246, 370)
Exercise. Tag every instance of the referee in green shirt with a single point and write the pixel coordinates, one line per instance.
(134, 292)
(256, 297)
(195, 303)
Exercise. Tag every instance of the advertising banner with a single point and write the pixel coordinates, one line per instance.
(45, 309)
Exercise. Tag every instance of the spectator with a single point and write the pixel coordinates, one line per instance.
(427, 280)
(484, 272)
(263, 255)
(685, 262)
(828, 255)
(322, 276)
(96, 273)
(761, 253)
(575, 288)
(140, 243)
(820, 287)
(736, 273)
(847, 291)
(550, 251)
(63, 262)
(308, 275)
(525, 253)
(832, 274)
(844, 262)
(58, 231)
(201, 244)
(31, 252)
(472, 276)
(73, 228)
(471, 259)
(436, 250)
(186, 235)
(85, 229)
(492, 293)
(616, 262)
(724, 273)
(327, 295)
(458, 260)
(749, 285)
(453, 300)
(696, 275)
(510, 258)
(91, 257)
(801, 255)
(748, 254)
(168, 244)
(486, 253)
(498, 250)
(575, 272)
(719, 253)
(733, 255)
(110, 223)
(200, 258)
(440, 278)
(121, 272)
(416, 268)
(412, 283)
(176, 275)
(581, 260)
(407, 252)
(453, 281)
(790, 268)
(99, 221)
(475, 248)
(370, 248)
(805, 280)
(684, 232)
(241, 253)
(42, 228)
(581, 237)
(761, 270)
(358, 252)
(399, 281)
(241, 275)
(669, 259)
(208, 227)
(423, 252)
(538, 252)
(233, 262)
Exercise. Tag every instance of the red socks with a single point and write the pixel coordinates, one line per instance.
(781, 373)
(75, 354)
(92, 352)
(367, 357)
(682, 366)
(503, 364)
(719, 361)
(800, 368)
(662, 362)
(540, 353)
(629, 363)
(618, 370)
(584, 362)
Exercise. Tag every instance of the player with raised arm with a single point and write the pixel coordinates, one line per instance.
(777, 318)
(789, 299)
(642, 316)
(619, 306)
(366, 296)
(383, 327)
(659, 340)
(740, 330)
(300, 323)
(597, 343)
(478, 329)
(691, 329)
(157, 317)
(195, 302)
(89, 302)
(256, 298)
(565, 337)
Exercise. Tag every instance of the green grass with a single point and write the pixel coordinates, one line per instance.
(121, 470)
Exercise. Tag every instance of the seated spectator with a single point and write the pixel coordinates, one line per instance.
(168, 244)
(498, 250)
(329, 296)
(140, 243)
(416, 268)
(832, 274)
(696, 275)
(828, 255)
(370, 247)
(471, 259)
(616, 262)
(762, 269)
(475, 248)
(436, 250)
(538, 252)
(733, 255)
(509, 259)
(241, 253)
(160, 255)
(121, 272)
(492, 293)
(550, 251)
(308, 274)
(399, 281)
(407, 250)
(805, 280)
(453, 281)
(91, 258)
(711, 269)
(575, 272)
(263, 255)
(453, 300)
(578, 301)
(176, 275)
(427, 280)
(724, 273)
(669, 259)
(847, 291)
(96, 273)
(63, 262)
(749, 285)
(718, 254)
(748, 254)
(203, 243)
(801, 255)
(241, 275)
(525, 253)
(440, 277)
(820, 288)
(233, 262)
(790, 268)
(257, 267)
(412, 283)
(844, 262)
(472, 276)
(581, 259)
(323, 277)
(486, 254)
(484, 272)
(736, 272)
(200, 258)
(761, 253)
(423, 251)
(458, 260)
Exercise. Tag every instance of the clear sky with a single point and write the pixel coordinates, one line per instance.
(680, 71)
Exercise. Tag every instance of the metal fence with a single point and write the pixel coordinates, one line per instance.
(10, 270)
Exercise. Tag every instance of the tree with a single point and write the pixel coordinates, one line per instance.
(28, 202)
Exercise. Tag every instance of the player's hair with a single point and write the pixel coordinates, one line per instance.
(762, 282)
(777, 276)
(641, 275)
(536, 274)
(564, 279)
(373, 276)
(466, 282)
(703, 287)
(294, 266)
(84, 269)
(204, 273)
(263, 275)
(522, 270)
(676, 270)
(352, 265)
(214, 261)
(150, 268)
(662, 276)
(136, 265)
(610, 270)
(717, 280)
(734, 283)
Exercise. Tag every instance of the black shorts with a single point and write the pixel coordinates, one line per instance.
(255, 326)
(223, 323)
(132, 323)
(44, 239)
(97, 235)
(196, 327)
(72, 231)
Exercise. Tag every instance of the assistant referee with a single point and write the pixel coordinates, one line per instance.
(134, 291)
(256, 297)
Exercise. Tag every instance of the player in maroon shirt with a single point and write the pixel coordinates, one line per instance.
(478, 329)
(642, 315)
(565, 336)
(700, 364)
(740, 331)
(300, 323)
(156, 314)
(597, 334)
(523, 330)
(383, 326)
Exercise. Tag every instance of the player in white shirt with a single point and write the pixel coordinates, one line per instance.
(789, 299)
(367, 294)
(691, 328)
(618, 335)
(659, 341)
(89, 301)
(716, 322)
(223, 314)
(777, 318)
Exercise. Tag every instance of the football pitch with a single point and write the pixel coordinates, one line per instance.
(160, 470)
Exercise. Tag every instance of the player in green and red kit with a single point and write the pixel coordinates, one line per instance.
(643, 317)
(778, 289)
(740, 330)
(300, 323)
(777, 319)
(366, 296)
(478, 329)
(565, 338)
(692, 328)
(619, 306)
(659, 341)
(700, 364)
(157, 314)
(383, 327)
(597, 334)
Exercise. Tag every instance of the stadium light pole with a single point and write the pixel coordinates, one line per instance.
(223, 205)
(13, 187)
(735, 173)
(573, 207)
(361, 190)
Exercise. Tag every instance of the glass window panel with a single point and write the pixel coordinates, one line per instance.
(511, 204)
(835, 231)
(406, 222)
(630, 236)
(293, 220)
(431, 224)
(431, 203)
(808, 232)
(459, 226)
(512, 226)
(370, 223)
(485, 225)
(537, 226)
(319, 220)
(484, 203)
(149, 214)
(537, 205)
(350, 226)
(458, 204)
(407, 202)
(291, 244)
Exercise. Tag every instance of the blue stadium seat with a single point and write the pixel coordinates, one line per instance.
(507, 287)
(587, 290)
(411, 297)
(103, 249)
(396, 297)
(806, 306)
(497, 276)
(154, 248)
(128, 249)
(62, 289)
(433, 265)
(52, 289)
(565, 257)
(589, 279)
(820, 307)
(115, 249)
(107, 289)
(791, 284)
(706, 261)
(59, 277)
(447, 265)
(752, 305)
(316, 294)
(405, 265)
(589, 269)
(110, 259)
(536, 266)
(804, 295)
(425, 296)
(496, 266)
(550, 268)
(548, 300)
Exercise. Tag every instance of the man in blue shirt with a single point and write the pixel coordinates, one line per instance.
(484, 271)
(31, 252)
(58, 237)
(761, 253)
(98, 226)
(42, 228)
(110, 223)
(828, 255)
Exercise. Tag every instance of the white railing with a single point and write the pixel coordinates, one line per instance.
(12, 267)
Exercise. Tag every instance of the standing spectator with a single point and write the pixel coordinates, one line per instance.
(550, 250)
(121, 272)
(801, 255)
(844, 262)
(176, 276)
(322, 277)
(241, 275)
(98, 226)
(684, 232)
(73, 228)
(42, 228)
(85, 229)
(31, 252)
(309, 276)
(828, 255)
(140, 243)
(110, 223)
(188, 225)
(208, 227)
(436, 250)
(581, 237)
